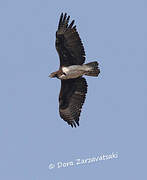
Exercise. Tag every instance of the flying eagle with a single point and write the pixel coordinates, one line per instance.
(72, 56)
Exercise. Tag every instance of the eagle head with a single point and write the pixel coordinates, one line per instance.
(58, 74)
(53, 75)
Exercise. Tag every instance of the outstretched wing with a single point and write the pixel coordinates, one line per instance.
(68, 43)
(71, 98)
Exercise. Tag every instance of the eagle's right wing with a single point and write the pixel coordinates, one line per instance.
(71, 98)
(68, 43)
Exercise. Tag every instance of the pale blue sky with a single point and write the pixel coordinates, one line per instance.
(113, 119)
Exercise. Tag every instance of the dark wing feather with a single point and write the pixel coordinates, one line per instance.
(71, 98)
(68, 43)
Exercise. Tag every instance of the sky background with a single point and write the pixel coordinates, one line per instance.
(113, 118)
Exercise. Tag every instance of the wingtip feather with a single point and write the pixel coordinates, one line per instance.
(71, 24)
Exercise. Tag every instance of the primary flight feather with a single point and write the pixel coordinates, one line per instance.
(72, 56)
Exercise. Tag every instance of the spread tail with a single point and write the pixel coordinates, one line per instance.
(93, 69)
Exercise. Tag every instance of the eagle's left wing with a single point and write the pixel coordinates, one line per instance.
(68, 43)
(71, 98)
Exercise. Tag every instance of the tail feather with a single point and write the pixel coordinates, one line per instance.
(93, 69)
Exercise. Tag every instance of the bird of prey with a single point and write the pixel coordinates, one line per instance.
(72, 68)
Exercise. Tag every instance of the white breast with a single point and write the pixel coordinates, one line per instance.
(65, 70)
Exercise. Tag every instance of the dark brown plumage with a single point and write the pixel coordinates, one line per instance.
(71, 98)
(73, 85)
(68, 43)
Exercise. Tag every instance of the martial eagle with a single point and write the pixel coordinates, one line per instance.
(72, 56)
